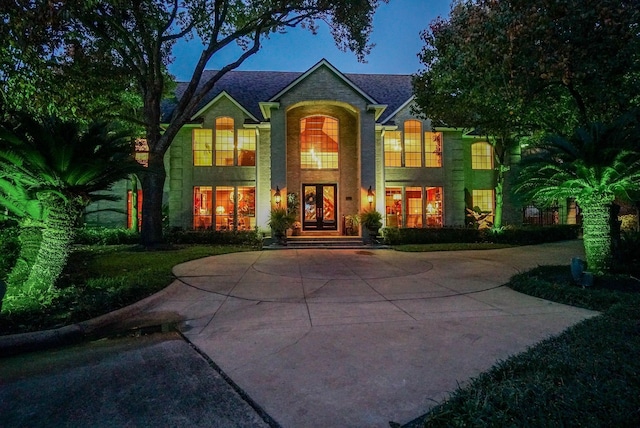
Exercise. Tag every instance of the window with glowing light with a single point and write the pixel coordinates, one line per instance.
(202, 141)
(481, 156)
(412, 143)
(246, 147)
(483, 199)
(433, 208)
(319, 142)
(393, 203)
(413, 197)
(433, 149)
(130, 207)
(202, 204)
(224, 141)
(393, 148)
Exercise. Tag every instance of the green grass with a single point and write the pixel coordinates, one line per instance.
(417, 248)
(99, 279)
(588, 376)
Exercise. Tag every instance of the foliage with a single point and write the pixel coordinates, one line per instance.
(105, 236)
(352, 221)
(293, 204)
(98, 280)
(65, 166)
(9, 247)
(46, 69)
(250, 238)
(279, 221)
(371, 219)
(138, 37)
(596, 165)
(508, 235)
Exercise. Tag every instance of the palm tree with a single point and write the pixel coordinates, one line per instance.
(65, 166)
(594, 166)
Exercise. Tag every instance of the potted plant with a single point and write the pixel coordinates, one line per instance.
(351, 224)
(371, 221)
(280, 220)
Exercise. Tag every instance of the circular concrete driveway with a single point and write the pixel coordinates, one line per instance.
(358, 338)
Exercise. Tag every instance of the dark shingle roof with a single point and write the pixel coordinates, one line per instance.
(249, 88)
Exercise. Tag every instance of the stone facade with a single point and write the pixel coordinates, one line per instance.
(367, 109)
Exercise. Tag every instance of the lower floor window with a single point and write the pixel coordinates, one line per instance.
(235, 207)
(414, 206)
(134, 207)
(483, 200)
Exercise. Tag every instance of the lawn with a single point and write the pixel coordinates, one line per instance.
(588, 376)
(99, 279)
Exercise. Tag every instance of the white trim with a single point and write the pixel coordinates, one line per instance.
(266, 107)
(216, 99)
(378, 108)
(325, 63)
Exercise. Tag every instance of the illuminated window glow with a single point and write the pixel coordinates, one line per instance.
(481, 156)
(412, 143)
(414, 206)
(224, 141)
(393, 203)
(433, 209)
(246, 147)
(483, 199)
(393, 148)
(433, 149)
(202, 204)
(202, 140)
(319, 142)
(130, 208)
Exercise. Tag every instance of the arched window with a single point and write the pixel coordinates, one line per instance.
(224, 141)
(412, 143)
(481, 156)
(318, 142)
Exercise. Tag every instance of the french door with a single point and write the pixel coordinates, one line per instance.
(319, 207)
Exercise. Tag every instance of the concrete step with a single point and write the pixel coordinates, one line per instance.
(328, 242)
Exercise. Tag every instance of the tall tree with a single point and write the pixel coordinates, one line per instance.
(65, 167)
(512, 68)
(595, 166)
(139, 35)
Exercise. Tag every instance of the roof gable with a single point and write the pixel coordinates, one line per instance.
(326, 64)
(218, 97)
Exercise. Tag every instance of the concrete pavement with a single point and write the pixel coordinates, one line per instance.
(338, 338)
(358, 338)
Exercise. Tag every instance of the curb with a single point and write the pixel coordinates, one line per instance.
(16, 344)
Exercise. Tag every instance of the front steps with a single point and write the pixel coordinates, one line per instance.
(326, 242)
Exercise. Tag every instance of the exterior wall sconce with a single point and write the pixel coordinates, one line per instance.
(370, 196)
(277, 197)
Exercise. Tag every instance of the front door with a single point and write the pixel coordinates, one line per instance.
(319, 207)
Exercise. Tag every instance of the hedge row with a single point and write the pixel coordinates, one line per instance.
(509, 235)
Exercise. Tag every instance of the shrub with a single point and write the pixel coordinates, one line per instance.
(215, 237)
(508, 235)
(106, 236)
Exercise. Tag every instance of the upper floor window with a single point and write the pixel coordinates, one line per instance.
(202, 153)
(393, 148)
(224, 141)
(319, 142)
(483, 199)
(433, 149)
(481, 156)
(231, 147)
(246, 147)
(412, 143)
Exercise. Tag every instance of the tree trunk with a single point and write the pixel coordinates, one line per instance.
(57, 237)
(597, 233)
(30, 238)
(134, 204)
(152, 189)
(497, 217)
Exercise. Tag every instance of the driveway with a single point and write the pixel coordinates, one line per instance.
(358, 338)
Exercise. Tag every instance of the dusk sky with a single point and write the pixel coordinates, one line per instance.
(396, 33)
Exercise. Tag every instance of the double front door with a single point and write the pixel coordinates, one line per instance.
(319, 207)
